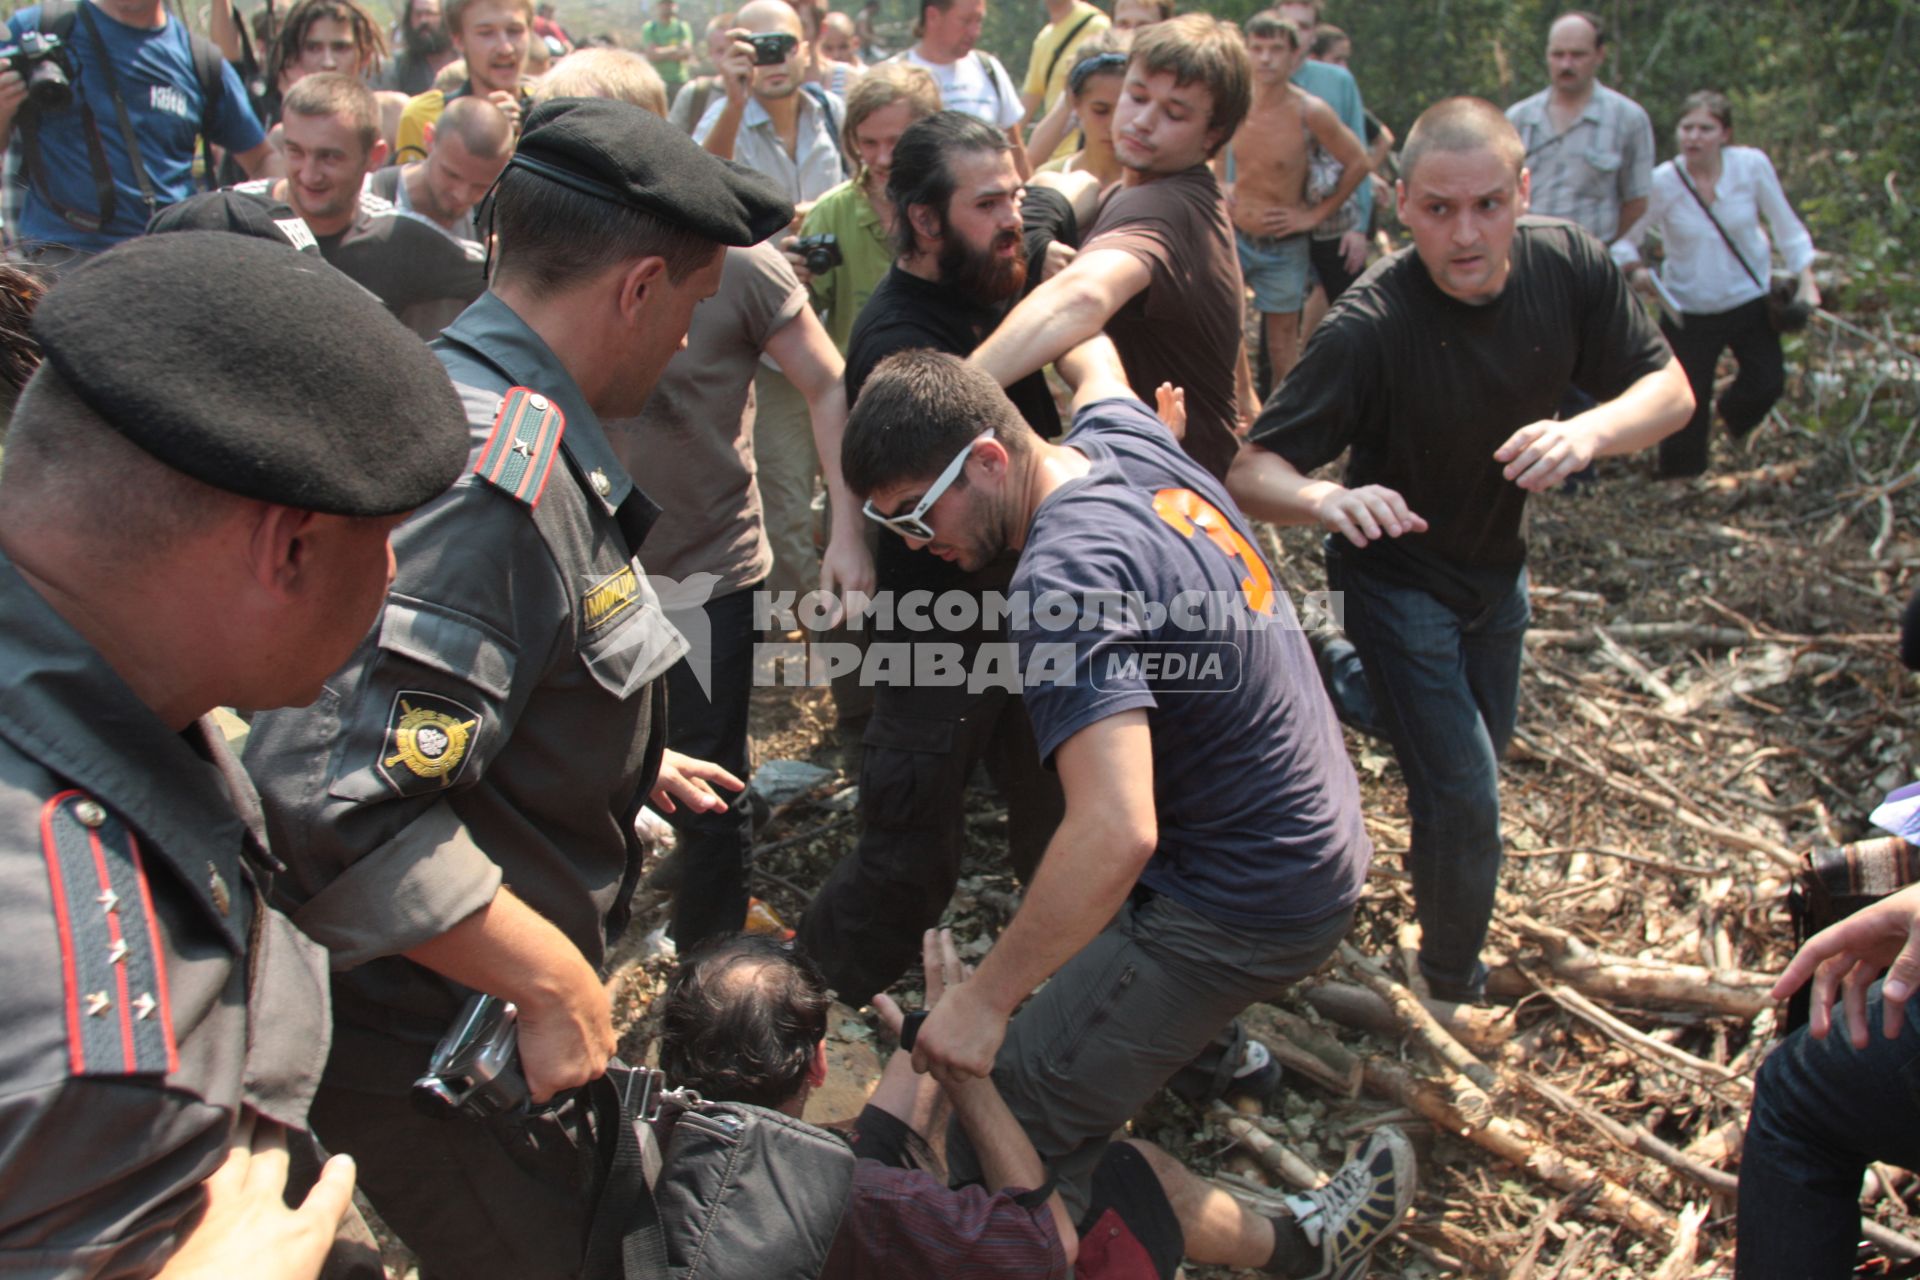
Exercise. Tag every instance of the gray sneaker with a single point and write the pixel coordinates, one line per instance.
(1360, 1207)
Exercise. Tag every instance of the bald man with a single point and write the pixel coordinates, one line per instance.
(467, 147)
(771, 119)
(1447, 440)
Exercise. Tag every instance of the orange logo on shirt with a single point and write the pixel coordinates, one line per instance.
(1187, 511)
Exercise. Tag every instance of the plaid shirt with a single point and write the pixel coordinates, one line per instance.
(1603, 160)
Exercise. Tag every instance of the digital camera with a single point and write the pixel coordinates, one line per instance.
(820, 253)
(46, 65)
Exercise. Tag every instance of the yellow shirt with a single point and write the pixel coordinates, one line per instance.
(1082, 24)
(410, 140)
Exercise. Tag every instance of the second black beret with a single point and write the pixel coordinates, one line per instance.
(627, 155)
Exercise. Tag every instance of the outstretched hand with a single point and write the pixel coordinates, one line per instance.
(1539, 456)
(1849, 955)
(962, 1033)
(1368, 514)
(248, 1229)
(684, 780)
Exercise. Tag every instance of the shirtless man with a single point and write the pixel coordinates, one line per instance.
(1268, 166)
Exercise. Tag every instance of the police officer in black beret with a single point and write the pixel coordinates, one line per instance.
(181, 530)
(458, 807)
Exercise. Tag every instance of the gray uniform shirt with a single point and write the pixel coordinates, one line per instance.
(150, 998)
(499, 724)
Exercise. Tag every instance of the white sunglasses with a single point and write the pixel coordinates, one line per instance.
(910, 524)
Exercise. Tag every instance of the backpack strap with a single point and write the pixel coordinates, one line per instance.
(1060, 50)
(824, 100)
(209, 68)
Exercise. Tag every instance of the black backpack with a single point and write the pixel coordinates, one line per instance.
(59, 18)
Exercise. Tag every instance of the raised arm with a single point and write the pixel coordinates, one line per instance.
(1541, 455)
(1062, 313)
(1268, 487)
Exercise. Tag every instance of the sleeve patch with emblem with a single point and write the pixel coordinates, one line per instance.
(427, 741)
(519, 455)
(112, 961)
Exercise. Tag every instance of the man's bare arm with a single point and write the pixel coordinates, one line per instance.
(508, 949)
(1541, 455)
(1631, 211)
(1096, 855)
(1268, 487)
(807, 356)
(1061, 314)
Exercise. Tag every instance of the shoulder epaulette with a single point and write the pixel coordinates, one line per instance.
(525, 441)
(112, 958)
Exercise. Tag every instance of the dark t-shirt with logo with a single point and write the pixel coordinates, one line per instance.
(1143, 577)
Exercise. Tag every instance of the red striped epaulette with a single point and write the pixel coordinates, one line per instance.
(525, 441)
(111, 955)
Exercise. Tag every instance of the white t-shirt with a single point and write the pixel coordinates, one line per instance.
(977, 84)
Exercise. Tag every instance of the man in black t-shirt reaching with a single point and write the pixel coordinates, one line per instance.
(1439, 373)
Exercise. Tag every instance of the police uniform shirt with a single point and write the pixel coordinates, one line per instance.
(132, 1037)
(497, 726)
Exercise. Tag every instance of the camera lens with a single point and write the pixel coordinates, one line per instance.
(48, 88)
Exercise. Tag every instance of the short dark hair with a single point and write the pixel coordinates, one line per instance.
(1458, 125)
(555, 236)
(741, 1019)
(1326, 38)
(923, 165)
(332, 93)
(916, 411)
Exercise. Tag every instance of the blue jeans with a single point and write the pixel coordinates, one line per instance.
(1444, 686)
(1822, 1111)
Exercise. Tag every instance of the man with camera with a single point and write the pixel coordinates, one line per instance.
(458, 809)
(106, 99)
(774, 122)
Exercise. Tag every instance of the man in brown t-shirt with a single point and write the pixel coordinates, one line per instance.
(1158, 271)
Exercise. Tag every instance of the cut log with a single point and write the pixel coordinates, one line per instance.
(1302, 1048)
(1472, 1077)
(1292, 1168)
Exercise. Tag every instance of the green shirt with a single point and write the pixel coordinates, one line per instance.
(658, 35)
(838, 296)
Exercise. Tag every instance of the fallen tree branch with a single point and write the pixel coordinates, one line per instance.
(1514, 1141)
(1473, 1077)
(1275, 1155)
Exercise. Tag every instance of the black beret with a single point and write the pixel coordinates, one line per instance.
(257, 370)
(628, 155)
(240, 213)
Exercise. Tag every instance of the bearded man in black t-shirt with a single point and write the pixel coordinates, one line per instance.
(1438, 374)
(962, 262)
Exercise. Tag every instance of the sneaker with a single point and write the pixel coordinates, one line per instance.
(1258, 1075)
(1360, 1207)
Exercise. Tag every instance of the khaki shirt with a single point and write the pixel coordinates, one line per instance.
(500, 725)
(151, 999)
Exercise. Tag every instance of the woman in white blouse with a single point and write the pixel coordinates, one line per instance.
(1720, 294)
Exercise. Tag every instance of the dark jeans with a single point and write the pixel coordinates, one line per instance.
(711, 724)
(1822, 1111)
(864, 925)
(1445, 687)
(1745, 404)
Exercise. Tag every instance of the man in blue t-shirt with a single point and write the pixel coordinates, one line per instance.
(138, 49)
(1212, 849)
